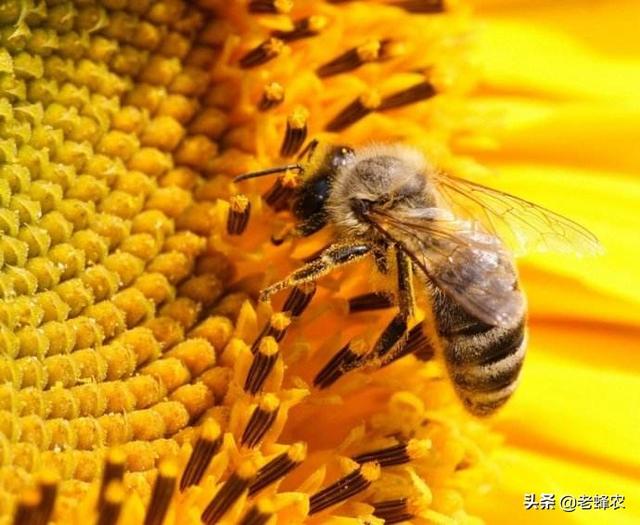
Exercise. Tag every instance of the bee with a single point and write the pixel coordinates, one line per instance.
(453, 238)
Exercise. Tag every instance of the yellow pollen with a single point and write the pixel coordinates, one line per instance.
(274, 92)
(298, 118)
(317, 22)
(369, 51)
(283, 6)
(268, 346)
(370, 471)
(280, 321)
(246, 470)
(370, 99)
(30, 497)
(265, 506)
(417, 505)
(49, 477)
(239, 203)
(395, 49)
(297, 452)
(210, 430)
(269, 403)
(290, 179)
(168, 468)
(115, 492)
(418, 448)
(116, 456)
(274, 46)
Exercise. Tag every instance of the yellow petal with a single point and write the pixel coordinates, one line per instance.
(601, 136)
(607, 25)
(562, 49)
(579, 396)
(563, 299)
(525, 472)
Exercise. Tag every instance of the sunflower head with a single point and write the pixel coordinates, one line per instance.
(142, 379)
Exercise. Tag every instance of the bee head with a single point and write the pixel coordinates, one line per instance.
(320, 169)
(317, 166)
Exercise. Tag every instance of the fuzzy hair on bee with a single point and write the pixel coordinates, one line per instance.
(452, 238)
(378, 170)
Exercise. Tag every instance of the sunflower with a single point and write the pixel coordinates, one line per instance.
(142, 380)
(560, 78)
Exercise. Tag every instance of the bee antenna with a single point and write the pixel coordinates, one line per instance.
(269, 171)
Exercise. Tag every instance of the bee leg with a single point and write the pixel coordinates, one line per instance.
(380, 258)
(334, 256)
(415, 341)
(406, 293)
(394, 342)
(394, 335)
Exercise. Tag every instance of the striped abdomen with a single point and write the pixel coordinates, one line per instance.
(484, 361)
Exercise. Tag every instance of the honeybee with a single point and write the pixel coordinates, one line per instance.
(452, 237)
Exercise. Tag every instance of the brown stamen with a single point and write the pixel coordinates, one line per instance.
(303, 28)
(355, 111)
(276, 328)
(270, 6)
(392, 511)
(239, 213)
(228, 494)
(48, 491)
(259, 514)
(162, 493)
(272, 96)
(371, 51)
(27, 509)
(417, 343)
(263, 361)
(370, 301)
(279, 467)
(279, 195)
(296, 132)
(421, 91)
(112, 505)
(113, 471)
(391, 335)
(268, 50)
(396, 454)
(344, 488)
(205, 448)
(260, 421)
(299, 299)
(424, 7)
(348, 358)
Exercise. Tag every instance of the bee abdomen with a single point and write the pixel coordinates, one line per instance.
(485, 365)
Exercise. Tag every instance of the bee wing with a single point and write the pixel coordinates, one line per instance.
(522, 225)
(467, 264)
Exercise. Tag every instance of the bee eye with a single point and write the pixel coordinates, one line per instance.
(312, 196)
